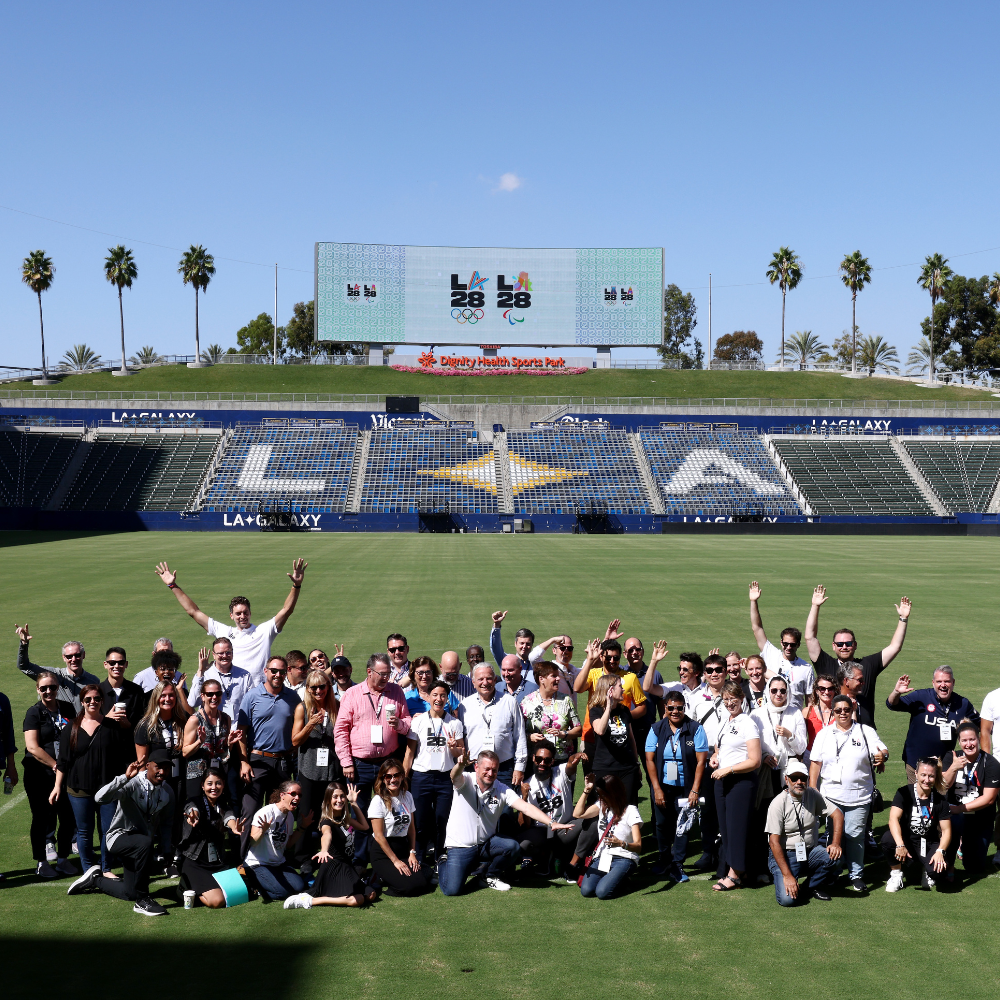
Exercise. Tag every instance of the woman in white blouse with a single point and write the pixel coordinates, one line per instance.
(394, 833)
(619, 831)
(737, 757)
(783, 732)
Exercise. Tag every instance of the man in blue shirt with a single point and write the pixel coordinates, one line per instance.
(935, 714)
(265, 722)
(524, 639)
(676, 755)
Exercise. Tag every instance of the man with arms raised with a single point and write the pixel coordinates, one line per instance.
(471, 840)
(785, 661)
(562, 657)
(72, 677)
(845, 645)
(524, 639)
(251, 643)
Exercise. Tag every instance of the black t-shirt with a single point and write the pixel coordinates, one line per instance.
(922, 817)
(48, 726)
(871, 667)
(341, 841)
(970, 782)
(613, 749)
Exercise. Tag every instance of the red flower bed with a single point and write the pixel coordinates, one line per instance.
(477, 372)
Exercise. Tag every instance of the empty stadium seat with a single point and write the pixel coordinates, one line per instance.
(31, 465)
(963, 474)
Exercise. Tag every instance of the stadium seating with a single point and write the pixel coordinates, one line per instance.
(431, 469)
(32, 464)
(963, 474)
(706, 471)
(303, 465)
(564, 469)
(852, 476)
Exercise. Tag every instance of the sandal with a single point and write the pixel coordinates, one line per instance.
(721, 886)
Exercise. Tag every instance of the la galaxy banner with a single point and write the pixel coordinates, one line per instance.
(367, 292)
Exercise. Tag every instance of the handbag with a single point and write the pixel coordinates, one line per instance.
(588, 860)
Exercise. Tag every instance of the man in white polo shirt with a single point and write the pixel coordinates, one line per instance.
(251, 643)
(471, 840)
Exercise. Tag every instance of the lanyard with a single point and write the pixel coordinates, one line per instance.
(972, 772)
(925, 810)
(797, 809)
(430, 725)
(840, 746)
(674, 744)
(378, 711)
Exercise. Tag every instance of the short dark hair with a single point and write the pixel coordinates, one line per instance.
(280, 659)
(482, 652)
(694, 659)
(967, 724)
(850, 632)
(166, 658)
(842, 699)
(398, 638)
(715, 659)
(524, 633)
(543, 745)
(795, 633)
(221, 638)
(296, 658)
(116, 649)
(239, 600)
(611, 644)
(674, 696)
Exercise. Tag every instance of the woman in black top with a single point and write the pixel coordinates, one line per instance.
(203, 838)
(89, 751)
(614, 749)
(972, 778)
(337, 883)
(43, 723)
(208, 737)
(162, 728)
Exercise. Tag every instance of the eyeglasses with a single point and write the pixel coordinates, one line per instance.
(212, 694)
(684, 670)
(223, 654)
(843, 710)
(92, 701)
(49, 687)
(779, 690)
(844, 645)
(116, 663)
(380, 676)
(715, 670)
(318, 687)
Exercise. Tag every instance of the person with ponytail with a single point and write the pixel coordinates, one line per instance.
(270, 836)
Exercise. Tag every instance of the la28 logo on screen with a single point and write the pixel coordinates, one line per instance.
(516, 295)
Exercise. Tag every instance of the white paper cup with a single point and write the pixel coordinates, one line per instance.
(120, 704)
(390, 712)
(189, 895)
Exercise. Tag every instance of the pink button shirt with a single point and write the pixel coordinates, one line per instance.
(359, 711)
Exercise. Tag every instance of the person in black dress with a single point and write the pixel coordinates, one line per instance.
(202, 845)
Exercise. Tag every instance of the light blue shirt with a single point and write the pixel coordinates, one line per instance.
(672, 752)
(266, 719)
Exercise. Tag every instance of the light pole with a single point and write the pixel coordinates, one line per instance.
(274, 360)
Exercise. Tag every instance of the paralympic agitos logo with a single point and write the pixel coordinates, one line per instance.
(468, 299)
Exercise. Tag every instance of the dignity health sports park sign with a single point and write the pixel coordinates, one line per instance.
(373, 293)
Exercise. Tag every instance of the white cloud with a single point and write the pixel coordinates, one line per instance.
(509, 182)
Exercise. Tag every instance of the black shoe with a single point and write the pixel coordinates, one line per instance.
(148, 907)
(87, 882)
(823, 897)
(706, 863)
(171, 871)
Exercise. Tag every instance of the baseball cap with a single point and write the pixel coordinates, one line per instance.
(796, 767)
(340, 661)
(159, 757)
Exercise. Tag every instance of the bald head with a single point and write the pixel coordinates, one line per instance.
(450, 665)
(510, 670)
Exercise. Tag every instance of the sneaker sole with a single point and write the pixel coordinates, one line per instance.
(72, 890)
(146, 913)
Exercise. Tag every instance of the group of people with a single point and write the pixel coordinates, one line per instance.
(322, 790)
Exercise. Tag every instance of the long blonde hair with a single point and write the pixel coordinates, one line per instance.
(599, 696)
(152, 717)
(309, 702)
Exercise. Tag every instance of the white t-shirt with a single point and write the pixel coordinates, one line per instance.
(798, 672)
(474, 813)
(991, 710)
(270, 849)
(397, 818)
(554, 798)
(732, 739)
(711, 716)
(846, 773)
(622, 830)
(251, 647)
(431, 737)
(696, 700)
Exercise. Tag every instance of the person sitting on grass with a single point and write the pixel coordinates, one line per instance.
(619, 833)
(394, 834)
(144, 811)
(203, 838)
(919, 828)
(270, 836)
(337, 882)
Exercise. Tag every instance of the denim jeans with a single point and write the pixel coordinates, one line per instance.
(855, 836)
(603, 885)
(819, 866)
(278, 882)
(365, 773)
(107, 813)
(84, 812)
(498, 851)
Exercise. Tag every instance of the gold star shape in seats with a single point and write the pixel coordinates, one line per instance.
(524, 473)
(480, 472)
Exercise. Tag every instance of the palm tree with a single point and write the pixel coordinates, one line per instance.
(212, 354)
(80, 359)
(874, 352)
(994, 288)
(196, 267)
(37, 273)
(120, 270)
(786, 271)
(856, 272)
(918, 360)
(147, 355)
(934, 275)
(803, 347)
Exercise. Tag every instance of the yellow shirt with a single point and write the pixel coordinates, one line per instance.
(631, 688)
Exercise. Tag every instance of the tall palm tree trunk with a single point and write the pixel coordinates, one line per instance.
(854, 332)
(41, 324)
(782, 329)
(197, 340)
(121, 313)
(931, 343)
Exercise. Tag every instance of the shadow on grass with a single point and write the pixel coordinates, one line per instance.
(108, 967)
(10, 538)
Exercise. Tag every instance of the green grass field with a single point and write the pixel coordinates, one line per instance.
(540, 941)
(600, 383)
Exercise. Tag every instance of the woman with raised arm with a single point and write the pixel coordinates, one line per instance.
(270, 837)
(208, 738)
(202, 846)
(619, 836)
(614, 742)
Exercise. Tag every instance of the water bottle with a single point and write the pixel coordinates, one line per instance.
(8, 784)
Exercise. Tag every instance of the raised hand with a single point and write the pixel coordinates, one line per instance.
(338, 649)
(163, 571)
(755, 591)
(612, 630)
(659, 651)
(593, 649)
(191, 816)
(297, 573)
(819, 595)
(204, 659)
(133, 769)
(22, 632)
(714, 652)
(498, 617)
(352, 794)
(241, 825)
(235, 735)
(575, 759)
(903, 608)
(903, 685)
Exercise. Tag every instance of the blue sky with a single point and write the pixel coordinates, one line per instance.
(718, 131)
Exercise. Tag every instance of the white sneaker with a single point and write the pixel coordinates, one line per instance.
(927, 882)
(300, 901)
(65, 867)
(51, 854)
(896, 881)
(45, 870)
(494, 883)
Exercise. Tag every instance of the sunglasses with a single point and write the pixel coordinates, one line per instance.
(675, 708)
(569, 649)
(797, 779)
(543, 760)
(116, 663)
(398, 649)
(277, 673)
(789, 644)
(844, 645)
(715, 670)
(395, 776)
(825, 689)
(318, 687)
(320, 657)
(72, 656)
(92, 701)
(49, 687)
(212, 694)
(843, 711)
(779, 690)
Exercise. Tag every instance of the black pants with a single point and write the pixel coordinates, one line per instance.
(397, 883)
(311, 799)
(709, 819)
(912, 844)
(541, 848)
(734, 801)
(136, 854)
(268, 773)
(38, 784)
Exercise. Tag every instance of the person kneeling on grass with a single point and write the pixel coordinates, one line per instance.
(471, 839)
(337, 883)
(619, 829)
(270, 836)
(919, 828)
(792, 830)
(144, 811)
(972, 777)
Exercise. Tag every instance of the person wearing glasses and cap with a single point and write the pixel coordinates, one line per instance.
(845, 646)
(72, 677)
(845, 756)
(792, 830)
(786, 660)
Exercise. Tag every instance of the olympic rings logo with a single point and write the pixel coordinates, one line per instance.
(472, 316)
